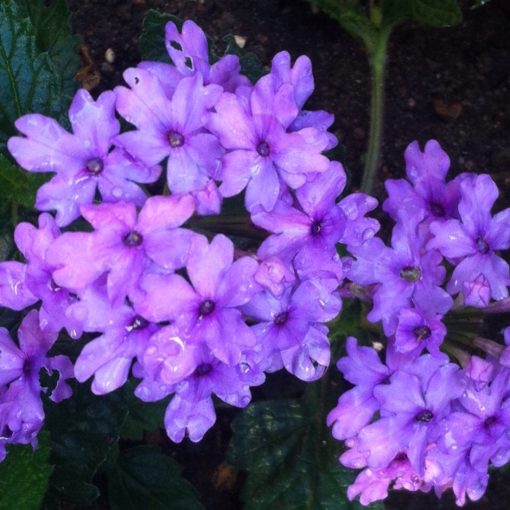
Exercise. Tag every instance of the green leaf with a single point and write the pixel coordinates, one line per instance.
(144, 478)
(50, 22)
(143, 417)
(24, 476)
(28, 79)
(437, 13)
(251, 66)
(18, 185)
(289, 455)
(152, 39)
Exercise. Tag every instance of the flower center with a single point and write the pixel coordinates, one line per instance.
(175, 139)
(94, 166)
(490, 421)
(206, 307)
(422, 333)
(28, 367)
(133, 239)
(281, 318)
(54, 286)
(137, 323)
(437, 209)
(263, 149)
(425, 416)
(482, 246)
(203, 369)
(316, 228)
(410, 273)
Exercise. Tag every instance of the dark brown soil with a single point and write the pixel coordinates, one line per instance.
(449, 84)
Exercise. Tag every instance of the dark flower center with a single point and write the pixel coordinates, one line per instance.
(316, 228)
(425, 416)
(175, 139)
(400, 457)
(482, 246)
(28, 367)
(206, 307)
(54, 286)
(410, 273)
(95, 166)
(422, 333)
(490, 421)
(133, 239)
(138, 323)
(437, 209)
(281, 318)
(6, 432)
(263, 149)
(203, 369)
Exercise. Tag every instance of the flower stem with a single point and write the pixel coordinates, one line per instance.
(377, 67)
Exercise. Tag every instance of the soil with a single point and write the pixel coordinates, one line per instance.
(449, 84)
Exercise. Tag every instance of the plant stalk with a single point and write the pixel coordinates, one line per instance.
(377, 67)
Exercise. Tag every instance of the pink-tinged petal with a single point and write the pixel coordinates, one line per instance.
(166, 297)
(122, 165)
(97, 353)
(358, 228)
(284, 246)
(113, 189)
(14, 293)
(184, 174)
(207, 263)
(274, 275)
(416, 449)
(433, 162)
(448, 376)
(111, 376)
(65, 370)
(145, 104)
(226, 72)
(65, 197)
(167, 75)
(114, 217)
(33, 242)
(402, 384)
(478, 197)
(403, 202)
(192, 419)
(190, 103)
(263, 188)
(232, 124)
(170, 249)
(47, 146)
(498, 236)
(148, 145)
(373, 258)
(94, 122)
(451, 239)
(164, 212)
(125, 267)
(477, 293)
(237, 286)
(208, 200)
(205, 150)
(283, 219)
(320, 194)
(236, 171)
(189, 50)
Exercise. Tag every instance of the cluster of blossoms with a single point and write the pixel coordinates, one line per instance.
(152, 294)
(420, 421)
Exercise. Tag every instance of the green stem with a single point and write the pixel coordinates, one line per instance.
(377, 67)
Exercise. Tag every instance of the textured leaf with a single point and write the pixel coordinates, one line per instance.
(28, 80)
(152, 39)
(437, 13)
(144, 478)
(24, 476)
(50, 22)
(289, 455)
(18, 185)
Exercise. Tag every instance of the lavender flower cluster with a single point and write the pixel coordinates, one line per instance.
(189, 315)
(418, 421)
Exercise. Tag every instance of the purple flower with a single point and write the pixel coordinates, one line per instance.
(123, 245)
(82, 161)
(260, 151)
(408, 275)
(207, 307)
(315, 227)
(473, 240)
(171, 128)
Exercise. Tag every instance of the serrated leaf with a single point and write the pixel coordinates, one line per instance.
(152, 39)
(437, 13)
(24, 476)
(28, 80)
(18, 185)
(52, 29)
(289, 455)
(145, 478)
